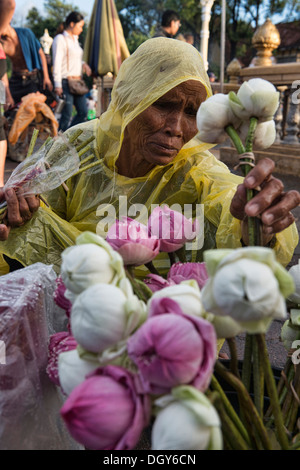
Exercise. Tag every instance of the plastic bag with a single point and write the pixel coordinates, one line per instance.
(45, 169)
(29, 402)
(32, 107)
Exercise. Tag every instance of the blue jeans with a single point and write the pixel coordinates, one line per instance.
(80, 103)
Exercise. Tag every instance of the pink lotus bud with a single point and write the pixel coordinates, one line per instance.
(172, 348)
(107, 410)
(156, 282)
(59, 342)
(172, 228)
(59, 296)
(183, 271)
(131, 240)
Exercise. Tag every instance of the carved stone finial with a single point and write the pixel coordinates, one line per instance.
(265, 39)
(46, 41)
(233, 71)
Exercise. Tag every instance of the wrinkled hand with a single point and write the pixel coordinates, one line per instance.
(20, 209)
(271, 204)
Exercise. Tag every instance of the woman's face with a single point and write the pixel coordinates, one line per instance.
(77, 28)
(157, 134)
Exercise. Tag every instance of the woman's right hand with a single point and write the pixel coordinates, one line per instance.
(20, 209)
(58, 91)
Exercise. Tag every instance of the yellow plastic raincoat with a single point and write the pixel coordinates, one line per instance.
(194, 177)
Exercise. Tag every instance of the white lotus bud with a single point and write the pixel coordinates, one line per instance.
(264, 137)
(248, 290)
(72, 370)
(85, 265)
(294, 271)
(102, 316)
(187, 421)
(213, 116)
(255, 98)
(187, 294)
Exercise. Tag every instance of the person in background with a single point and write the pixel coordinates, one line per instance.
(170, 24)
(67, 62)
(29, 64)
(7, 9)
(6, 101)
(189, 38)
(211, 76)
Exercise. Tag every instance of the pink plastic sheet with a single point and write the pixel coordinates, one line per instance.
(29, 402)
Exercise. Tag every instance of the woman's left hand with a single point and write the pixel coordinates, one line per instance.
(86, 69)
(48, 84)
(271, 204)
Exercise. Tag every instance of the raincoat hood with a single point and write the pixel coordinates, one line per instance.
(157, 66)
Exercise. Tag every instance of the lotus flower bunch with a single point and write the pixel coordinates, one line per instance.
(166, 231)
(123, 350)
(256, 99)
(129, 360)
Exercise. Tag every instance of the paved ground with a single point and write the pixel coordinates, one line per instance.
(276, 350)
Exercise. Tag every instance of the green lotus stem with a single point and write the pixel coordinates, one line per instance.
(150, 266)
(233, 436)
(87, 159)
(86, 142)
(253, 232)
(230, 410)
(296, 442)
(282, 391)
(91, 165)
(247, 362)
(181, 254)
(235, 139)
(83, 151)
(75, 135)
(32, 142)
(233, 356)
(295, 406)
(250, 136)
(135, 284)
(258, 379)
(45, 142)
(247, 405)
(271, 387)
(172, 258)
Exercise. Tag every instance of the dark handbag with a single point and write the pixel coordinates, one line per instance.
(77, 86)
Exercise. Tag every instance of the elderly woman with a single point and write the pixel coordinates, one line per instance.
(148, 153)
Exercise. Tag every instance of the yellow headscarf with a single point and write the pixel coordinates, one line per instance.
(156, 67)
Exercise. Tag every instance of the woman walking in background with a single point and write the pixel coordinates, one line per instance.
(67, 64)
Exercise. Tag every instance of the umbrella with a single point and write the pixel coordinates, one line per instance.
(105, 47)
